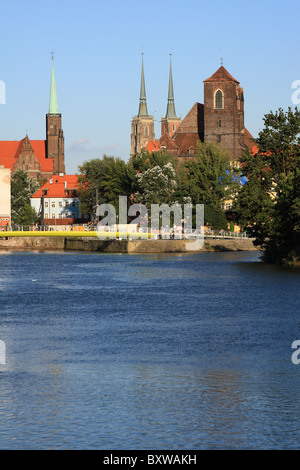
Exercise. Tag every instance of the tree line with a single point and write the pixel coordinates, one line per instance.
(267, 206)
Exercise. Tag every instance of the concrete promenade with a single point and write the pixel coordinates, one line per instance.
(94, 244)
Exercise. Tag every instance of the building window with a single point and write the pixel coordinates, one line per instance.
(53, 215)
(53, 204)
(60, 215)
(46, 204)
(66, 204)
(219, 123)
(46, 216)
(60, 204)
(73, 215)
(219, 98)
(173, 127)
(73, 204)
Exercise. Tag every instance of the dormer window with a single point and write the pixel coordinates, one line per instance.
(219, 100)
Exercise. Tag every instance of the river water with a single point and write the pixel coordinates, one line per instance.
(175, 352)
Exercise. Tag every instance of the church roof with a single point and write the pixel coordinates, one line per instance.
(10, 150)
(221, 75)
(248, 138)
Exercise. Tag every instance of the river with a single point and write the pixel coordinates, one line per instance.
(174, 351)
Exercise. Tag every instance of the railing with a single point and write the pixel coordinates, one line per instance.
(220, 234)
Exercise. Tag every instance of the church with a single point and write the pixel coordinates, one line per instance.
(219, 119)
(40, 158)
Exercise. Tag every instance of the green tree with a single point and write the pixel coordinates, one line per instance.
(267, 205)
(140, 163)
(156, 185)
(109, 176)
(283, 244)
(208, 178)
(22, 188)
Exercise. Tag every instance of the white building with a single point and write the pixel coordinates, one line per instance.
(57, 200)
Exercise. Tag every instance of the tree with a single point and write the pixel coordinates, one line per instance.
(156, 185)
(283, 244)
(208, 178)
(267, 206)
(22, 188)
(109, 177)
(140, 163)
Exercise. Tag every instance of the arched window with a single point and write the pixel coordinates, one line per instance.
(219, 100)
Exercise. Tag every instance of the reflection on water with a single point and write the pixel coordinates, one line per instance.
(148, 351)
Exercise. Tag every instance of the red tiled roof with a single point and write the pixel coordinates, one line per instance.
(166, 141)
(152, 146)
(221, 75)
(10, 150)
(58, 187)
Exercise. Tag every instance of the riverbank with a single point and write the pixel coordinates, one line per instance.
(124, 246)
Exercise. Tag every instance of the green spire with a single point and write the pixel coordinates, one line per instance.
(171, 106)
(53, 108)
(143, 104)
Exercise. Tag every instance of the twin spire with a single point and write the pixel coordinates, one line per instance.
(143, 103)
(143, 111)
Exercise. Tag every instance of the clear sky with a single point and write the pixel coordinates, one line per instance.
(97, 57)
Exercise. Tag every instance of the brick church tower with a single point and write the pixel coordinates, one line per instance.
(54, 132)
(224, 112)
(142, 125)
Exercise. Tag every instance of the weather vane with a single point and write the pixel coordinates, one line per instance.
(52, 53)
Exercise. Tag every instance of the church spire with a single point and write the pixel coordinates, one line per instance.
(53, 107)
(171, 105)
(143, 104)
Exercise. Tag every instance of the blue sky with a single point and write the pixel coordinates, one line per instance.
(97, 56)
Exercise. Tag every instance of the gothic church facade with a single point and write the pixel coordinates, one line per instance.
(220, 119)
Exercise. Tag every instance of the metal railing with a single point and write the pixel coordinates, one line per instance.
(214, 234)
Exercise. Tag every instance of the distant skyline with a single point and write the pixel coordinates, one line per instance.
(97, 59)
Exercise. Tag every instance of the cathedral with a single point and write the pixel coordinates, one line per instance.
(40, 158)
(220, 119)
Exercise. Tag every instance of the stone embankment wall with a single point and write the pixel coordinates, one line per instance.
(124, 246)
